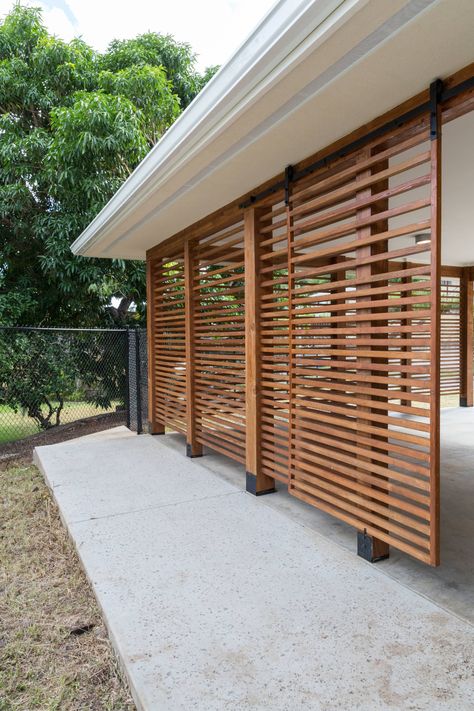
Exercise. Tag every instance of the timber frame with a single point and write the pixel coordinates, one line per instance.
(298, 330)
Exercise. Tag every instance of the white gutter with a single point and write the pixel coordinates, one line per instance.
(289, 31)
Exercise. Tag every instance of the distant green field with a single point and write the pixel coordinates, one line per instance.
(15, 425)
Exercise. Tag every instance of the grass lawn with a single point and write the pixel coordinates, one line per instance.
(15, 425)
(54, 649)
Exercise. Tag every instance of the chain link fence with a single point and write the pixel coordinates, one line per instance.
(51, 378)
(137, 380)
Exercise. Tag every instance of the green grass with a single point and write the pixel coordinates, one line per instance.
(16, 425)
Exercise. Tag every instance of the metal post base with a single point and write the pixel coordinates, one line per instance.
(463, 402)
(370, 548)
(251, 486)
(189, 451)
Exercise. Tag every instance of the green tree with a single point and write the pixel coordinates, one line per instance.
(74, 123)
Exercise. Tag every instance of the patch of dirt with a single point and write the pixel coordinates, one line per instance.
(21, 451)
(54, 648)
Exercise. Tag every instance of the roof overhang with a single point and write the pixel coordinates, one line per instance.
(309, 74)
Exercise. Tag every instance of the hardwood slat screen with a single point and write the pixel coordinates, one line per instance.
(362, 303)
(352, 335)
(219, 340)
(450, 361)
(168, 338)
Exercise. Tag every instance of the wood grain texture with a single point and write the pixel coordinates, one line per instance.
(253, 365)
(155, 427)
(194, 448)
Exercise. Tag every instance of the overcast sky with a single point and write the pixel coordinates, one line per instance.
(214, 28)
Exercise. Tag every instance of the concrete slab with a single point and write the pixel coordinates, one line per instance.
(106, 477)
(452, 584)
(215, 600)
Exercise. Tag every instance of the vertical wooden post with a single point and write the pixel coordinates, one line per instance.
(257, 483)
(435, 338)
(466, 346)
(193, 447)
(153, 426)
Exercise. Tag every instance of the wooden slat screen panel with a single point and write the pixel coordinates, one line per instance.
(219, 341)
(347, 331)
(168, 337)
(274, 341)
(360, 339)
(450, 362)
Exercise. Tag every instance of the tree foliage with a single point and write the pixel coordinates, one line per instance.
(74, 123)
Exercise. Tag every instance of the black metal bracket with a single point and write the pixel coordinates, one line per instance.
(189, 451)
(463, 401)
(251, 485)
(436, 93)
(365, 548)
(289, 171)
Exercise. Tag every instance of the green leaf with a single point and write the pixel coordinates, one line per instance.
(74, 123)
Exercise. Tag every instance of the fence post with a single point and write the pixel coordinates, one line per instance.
(127, 374)
(138, 382)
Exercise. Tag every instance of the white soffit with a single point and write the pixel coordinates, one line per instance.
(457, 192)
(309, 74)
